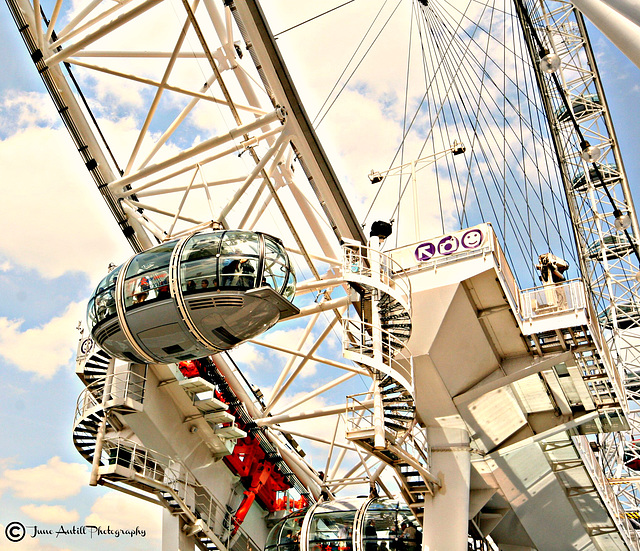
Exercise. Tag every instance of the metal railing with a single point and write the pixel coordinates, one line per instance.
(121, 387)
(364, 262)
(552, 299)
(389, 356)
(570, 296)
(145, 463)
(417, 446)
(360, 412)
(411, 445)
(179, 488)
(612, 368)
(504, 271)
(605, 490)
(87, 401)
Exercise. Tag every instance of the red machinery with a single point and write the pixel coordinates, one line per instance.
(259, 473)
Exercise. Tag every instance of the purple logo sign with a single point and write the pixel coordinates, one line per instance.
(448, 245)
(425, 251)
(472, 239)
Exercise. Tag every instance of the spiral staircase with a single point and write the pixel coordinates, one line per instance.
(125, 462)
(124, 394)
(375, 340)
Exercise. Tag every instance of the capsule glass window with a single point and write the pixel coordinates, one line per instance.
(242, 243)
(239, 260)
(286, 535)
(290, 289)
(276, 266)
(102, 304)
(147, 277)
(199, 263)
(389, 526)
(332, 529)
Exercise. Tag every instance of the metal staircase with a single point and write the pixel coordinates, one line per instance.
(88, 417)
(397, 403)
(125, 392)
(92, 362)
(395, 318)
(376, 340)
(126, 462)
(561, 319)
(114, 390)
(205, 518)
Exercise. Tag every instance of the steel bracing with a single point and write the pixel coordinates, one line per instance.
(599, 198)
(200, 127)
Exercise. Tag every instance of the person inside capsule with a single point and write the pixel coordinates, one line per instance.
(142, 290)
(238, 272)
(161, 282)
(146, 278)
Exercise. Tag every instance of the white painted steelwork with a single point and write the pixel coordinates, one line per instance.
(508, 384)
(609, 273)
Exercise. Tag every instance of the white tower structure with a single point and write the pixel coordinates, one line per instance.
(477, 409)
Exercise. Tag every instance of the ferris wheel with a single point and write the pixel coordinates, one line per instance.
(269, 312)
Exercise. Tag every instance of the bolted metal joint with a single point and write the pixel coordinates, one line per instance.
(282, 113)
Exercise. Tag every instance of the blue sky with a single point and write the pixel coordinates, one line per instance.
(44, 270)
(57, 242)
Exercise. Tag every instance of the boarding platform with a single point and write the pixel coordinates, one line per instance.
(528, 373)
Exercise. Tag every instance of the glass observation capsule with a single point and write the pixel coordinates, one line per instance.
(192, 297)
(609, 173)
(356, 524)
(582, 107)
(611, 247)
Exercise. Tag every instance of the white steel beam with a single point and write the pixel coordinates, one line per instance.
(618, 22)
(314, 438)
(311, 414)
(285, 370)
(562, 427)
(319, 359)
(304, 361)
(187, 154)
(316, 392)
(536, 367)
(71, 29)
(66, 53)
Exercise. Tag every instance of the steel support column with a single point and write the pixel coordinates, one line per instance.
(451, 463)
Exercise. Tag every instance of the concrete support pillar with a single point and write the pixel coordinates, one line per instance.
(173, 537)
(446, 515)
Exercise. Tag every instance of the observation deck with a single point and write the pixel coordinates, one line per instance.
(528, 373)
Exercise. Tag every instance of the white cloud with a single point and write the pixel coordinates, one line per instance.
(287, 337)
(50, 514)
(5, 266)
(27, 544)
(53, 480)
(122, 512)
(55, 217)
(41, 350)
(248, 355)
(27, 109)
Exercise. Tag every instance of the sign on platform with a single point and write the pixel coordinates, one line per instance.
(472, 238)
